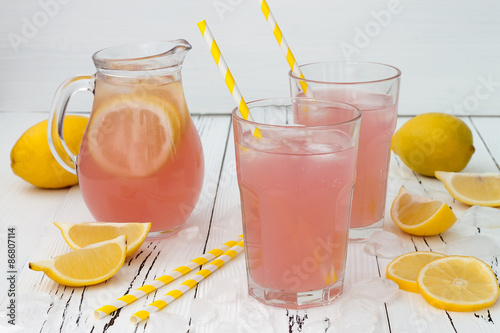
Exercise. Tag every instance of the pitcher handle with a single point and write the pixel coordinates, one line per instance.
(55, 124)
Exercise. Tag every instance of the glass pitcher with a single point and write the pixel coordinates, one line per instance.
(141, 158)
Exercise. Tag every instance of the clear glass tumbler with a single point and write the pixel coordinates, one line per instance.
(295, 210)
(374, 89)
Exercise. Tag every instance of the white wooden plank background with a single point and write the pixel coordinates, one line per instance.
(448, 50)
(217, 215)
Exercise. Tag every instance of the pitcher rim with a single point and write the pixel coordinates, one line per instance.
(100, 59)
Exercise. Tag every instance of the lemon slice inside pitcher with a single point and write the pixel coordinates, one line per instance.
(134, 137)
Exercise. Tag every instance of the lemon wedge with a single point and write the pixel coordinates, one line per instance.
(457, 283)
(472, 188)
(404, 269)
(421, 216)
(84, 234)
(87, 266)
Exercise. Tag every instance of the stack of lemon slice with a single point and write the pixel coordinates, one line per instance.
(452, 283)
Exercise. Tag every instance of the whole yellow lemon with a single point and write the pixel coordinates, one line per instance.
(32, 160)
(434, 142)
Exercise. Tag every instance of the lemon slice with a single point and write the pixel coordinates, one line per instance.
(404, 269)
(84, 234)
(132, 137)
(457, 283)
(87, 266)
(421, 216)
(472, 188)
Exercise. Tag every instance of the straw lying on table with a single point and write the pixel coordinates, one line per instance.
(284, 46)
(187, 285)
(226, 74)
(165, 279)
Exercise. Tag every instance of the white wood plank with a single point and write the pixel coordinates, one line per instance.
(218, 217)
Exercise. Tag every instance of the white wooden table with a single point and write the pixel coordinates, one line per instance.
(31, 211)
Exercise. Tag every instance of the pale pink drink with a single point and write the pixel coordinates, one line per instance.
(374, 89)
(295, 210)
(141, 158)
(123, 184)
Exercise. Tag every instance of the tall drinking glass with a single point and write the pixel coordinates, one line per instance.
(374, 89)
(295, 210)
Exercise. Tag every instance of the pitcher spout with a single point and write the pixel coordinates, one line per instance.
(177, 53)
(142, 57)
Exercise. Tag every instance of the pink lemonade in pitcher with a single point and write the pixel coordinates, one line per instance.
(141, 157)
(377, 127)
(295, 209)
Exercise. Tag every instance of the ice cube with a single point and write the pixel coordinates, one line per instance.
(336, 139)
(161, 320)
(319, 326)
(358, 315)
(224, 290)
(293, 144)
(190, 233)
(225, 327)
(479, 246)
(32, 309)
(385, 245)
(458, 231)
(323, 148)
(232, 216)
(481, 217)
(253, 317)
(252, 310)
(377, 289)
(5, 327)
(262, 327)
(203, 311)
(262, 144)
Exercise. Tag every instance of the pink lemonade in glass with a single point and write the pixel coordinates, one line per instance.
(374, 89)
(295, 209)
(141, 158)
(377, 126)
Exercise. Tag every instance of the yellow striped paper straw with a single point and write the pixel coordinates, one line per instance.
(165, 279)
(187, 285)
(284, 46)
(226, 73)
